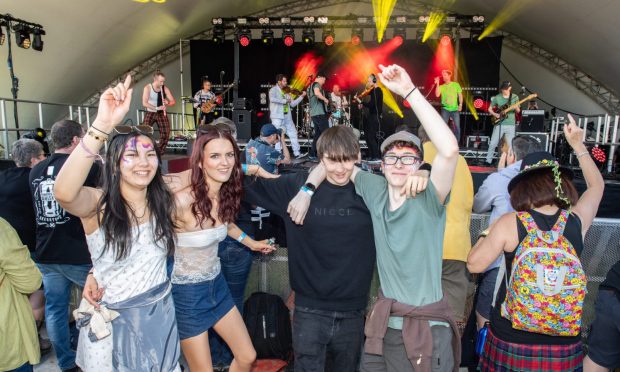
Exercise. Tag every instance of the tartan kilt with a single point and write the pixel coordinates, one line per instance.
(499, 355)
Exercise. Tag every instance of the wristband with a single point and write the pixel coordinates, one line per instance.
(241, 237)
(244, 168)
(90, 153)
(408, 94)
(483, 233)
(307, 190)
(99, 130)
(582, 154)
(426, 167)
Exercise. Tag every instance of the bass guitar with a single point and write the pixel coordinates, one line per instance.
(209, 105)
(505, 109)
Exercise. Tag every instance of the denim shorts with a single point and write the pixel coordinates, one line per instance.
(200, 306)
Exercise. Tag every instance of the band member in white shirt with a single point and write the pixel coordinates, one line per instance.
(280, 105)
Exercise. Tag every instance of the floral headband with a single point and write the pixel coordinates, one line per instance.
(557, 179)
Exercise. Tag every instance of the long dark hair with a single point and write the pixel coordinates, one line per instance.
(231, 190)
(116, 218)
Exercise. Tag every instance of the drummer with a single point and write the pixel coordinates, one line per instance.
(340, 102)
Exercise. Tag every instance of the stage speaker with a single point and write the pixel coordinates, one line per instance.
(542, 138)
(243, 122)
(532, 121)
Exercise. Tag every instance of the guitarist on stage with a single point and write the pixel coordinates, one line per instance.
(506, 123)
(318, 109)
(374, 104)
(155, 97)
(201, 97)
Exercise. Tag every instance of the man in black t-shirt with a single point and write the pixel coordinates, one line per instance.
(604, 337)
(331, 257)
(372, 130)
(61, 251)
(318, 109)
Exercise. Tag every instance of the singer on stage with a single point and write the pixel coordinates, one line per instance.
(155, 97)
(451, 101)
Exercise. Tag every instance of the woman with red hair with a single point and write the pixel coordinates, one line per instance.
(207, 209)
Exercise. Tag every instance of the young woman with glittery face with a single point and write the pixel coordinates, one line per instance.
(130, 233)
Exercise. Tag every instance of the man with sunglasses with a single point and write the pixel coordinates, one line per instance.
(411, 322)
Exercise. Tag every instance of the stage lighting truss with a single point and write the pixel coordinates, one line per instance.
(322, 20)
(244, 35)
(288, 36)
(329, 36)
(219, 35)
(400, 33)
(424, 18)
(401, 19)
(308, 20)
(307, 36)
(263, 21)
(37, 42)
(22, 30)
(357, 35)
(267, 36)
(477, 19)
(216, 21)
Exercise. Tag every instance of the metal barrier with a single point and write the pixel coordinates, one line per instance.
(601, 251)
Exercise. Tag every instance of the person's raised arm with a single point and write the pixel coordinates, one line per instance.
(437, 89)
(297, 100)
(397, 80)
(588, 203)
(79, 200)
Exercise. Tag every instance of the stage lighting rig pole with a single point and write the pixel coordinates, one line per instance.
(9, 23)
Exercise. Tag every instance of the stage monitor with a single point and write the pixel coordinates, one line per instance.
(532, 121)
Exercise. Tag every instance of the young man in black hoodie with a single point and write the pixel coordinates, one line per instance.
(331, 257)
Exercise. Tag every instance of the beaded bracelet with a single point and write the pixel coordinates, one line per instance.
(582, 154)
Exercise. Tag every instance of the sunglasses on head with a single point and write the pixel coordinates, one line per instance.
(127, 129)
(221, 127)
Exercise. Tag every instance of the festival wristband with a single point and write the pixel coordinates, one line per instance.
(307, 190)
(241, 237)
(583, 153)
(244, 168)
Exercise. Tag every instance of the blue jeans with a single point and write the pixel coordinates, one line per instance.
(320, 336)
(26, 367)
(456, 118)
(236, 261)
(57, 281)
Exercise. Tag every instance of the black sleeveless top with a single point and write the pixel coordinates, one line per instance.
(501, 327)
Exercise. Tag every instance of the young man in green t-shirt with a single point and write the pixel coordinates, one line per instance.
(408, 235)
(451, 101)
(506, 126)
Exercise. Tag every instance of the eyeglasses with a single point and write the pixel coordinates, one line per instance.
(126, 129)
(404, 160)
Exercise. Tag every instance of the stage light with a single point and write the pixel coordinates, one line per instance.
(288, 36)
(400, 35)
(263, 20)
(329, 36)
(446, 36)
(445, 40)
(285, 20)
(216, 21)
(218, 35)
(37, 43)
(22, 36)
(362, 20)
(478, 103)
(307, 36)
(424, 19)
(267, 36)
(357, 36)
(401, 19)
(242, 21)
(308, 19)
(477, 19)
(450, 19)
(2, 35)
(322, 20)
(244, 36)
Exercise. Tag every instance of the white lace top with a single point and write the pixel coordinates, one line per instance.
(195, 256)
(143, 269)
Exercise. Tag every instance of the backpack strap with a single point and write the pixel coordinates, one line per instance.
(560, 224)
(528, 222)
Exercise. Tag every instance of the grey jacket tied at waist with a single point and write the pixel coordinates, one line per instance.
(417, 335)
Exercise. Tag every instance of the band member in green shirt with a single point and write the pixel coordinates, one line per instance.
(451, 100)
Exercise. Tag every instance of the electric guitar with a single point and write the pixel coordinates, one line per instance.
(504, 109)
(209, 105)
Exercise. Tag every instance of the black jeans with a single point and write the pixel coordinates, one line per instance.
(321, 124)
(318, 333)
(370, 132)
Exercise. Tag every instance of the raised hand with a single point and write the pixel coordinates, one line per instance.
(114, 105)
(573, 134)
(396, 79)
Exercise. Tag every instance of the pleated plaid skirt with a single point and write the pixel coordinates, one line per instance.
(505, 356)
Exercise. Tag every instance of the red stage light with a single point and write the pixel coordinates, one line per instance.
(260, 114)
(445, 40)
(355, 40)
(478, 103)
(406, 103)
(598, 154)
(329, 40)
(244, 40)
(288, 40)
(398, 40)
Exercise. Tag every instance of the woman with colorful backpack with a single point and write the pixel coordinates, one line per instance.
(536, 319)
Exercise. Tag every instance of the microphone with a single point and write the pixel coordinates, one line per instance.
(222, 72)
(522, 90)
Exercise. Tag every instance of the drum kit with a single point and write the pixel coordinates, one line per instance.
(337, 116)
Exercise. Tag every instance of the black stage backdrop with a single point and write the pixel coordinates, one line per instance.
(260, 63)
